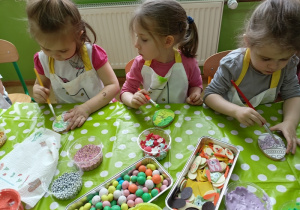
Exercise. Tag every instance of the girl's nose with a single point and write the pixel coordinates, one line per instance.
(136, 45)
(273, 66)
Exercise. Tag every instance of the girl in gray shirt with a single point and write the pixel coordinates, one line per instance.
(264, 68)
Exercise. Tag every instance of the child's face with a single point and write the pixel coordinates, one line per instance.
(145, 44)
(58, 47)
(269, 58)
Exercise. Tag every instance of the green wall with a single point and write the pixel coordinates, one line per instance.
(13, 27)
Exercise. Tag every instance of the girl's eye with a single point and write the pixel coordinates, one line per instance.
(63, 51)
(265, 59)
(284, 59)
(144, 40)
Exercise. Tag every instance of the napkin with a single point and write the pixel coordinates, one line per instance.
(30, 164)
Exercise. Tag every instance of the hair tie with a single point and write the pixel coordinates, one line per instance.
(190, 19)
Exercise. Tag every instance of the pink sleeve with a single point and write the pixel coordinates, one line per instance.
(192, 71)
(37, 64)
(134, 77)
(99, 57)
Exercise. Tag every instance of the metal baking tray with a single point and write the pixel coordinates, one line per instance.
(203, 141)
(142, 161)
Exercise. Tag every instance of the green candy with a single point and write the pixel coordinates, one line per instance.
(113, 202)
(154, 192)
(127, 177)
(119, 187)
(146, 197)
(99, 205)
(141, 180)
(93, 208)
(139, 193)
(133, 178)
(107, 208)
(141, 174)
(116, 207)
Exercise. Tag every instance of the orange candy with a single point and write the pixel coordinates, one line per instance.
(156, 179)
(148, 172)
(142, 168)
(132, 188)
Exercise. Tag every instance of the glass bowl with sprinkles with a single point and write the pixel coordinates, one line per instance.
(86, 152)
(66, 182)
(154, 142)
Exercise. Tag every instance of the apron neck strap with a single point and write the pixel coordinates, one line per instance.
(177, 59)
(85, 59)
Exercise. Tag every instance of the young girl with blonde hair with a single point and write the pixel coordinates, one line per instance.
(77, 70)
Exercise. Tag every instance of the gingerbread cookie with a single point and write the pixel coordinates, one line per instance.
(59, 125)
(163, 117)
(273, 150)
(2, 138)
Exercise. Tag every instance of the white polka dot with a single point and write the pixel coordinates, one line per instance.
(116, 124)
(125, 131)
(187, 118)
(234, 132)
(226, 139)
(111, 107)
(279, 111)
(248, 140)
(178, 174)
(229, 118)
(167, 164)
(118, 164)
(91, 138)
(211, 132)
(122, 146)
(208, 118)
(119, 112)
(190, 147)
(168, 131)
(290, 177)
(58, 106)
(40, 124)
(104, 173)
(70, 138)
(177, 112)
(54, 205)
(260, 111)
(178, 139)
(139, 112)
(11, 138)
(109, 155)
(243, 126)
(108, 118)
(89, 119)
(134, 139)
(104, 131)
(21, 124)
(17, 118)
(234, 177)
(272, 167)
(84, 131)
(199, 125)
(257, 132)
(88, 184)
(132, 155)
(63, 153)
(272, 201)
(189, 132)
(147, 118)
(7, 130)
(197, 112)
(29, 113)
(274, 118)
(268, 105)
(297, 166)
(26, 131)
(255, 157)
(113, 138)
(186, 106)
(101, 113)
(78, 146)
(46, 112)
(127, 117)
(136, 125)
(281, 188)
(178, 125)
(179, 156)
(221, 125)
(167, 106)
(262, 177)
(240, 147)
(245, 166)
(2, 153)
(298, 199)
(148, 106)
(12, 112)
(70, 164)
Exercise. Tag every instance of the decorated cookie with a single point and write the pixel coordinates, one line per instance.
(163, 117)
(59, 125)
(2, 138)
(273, 150)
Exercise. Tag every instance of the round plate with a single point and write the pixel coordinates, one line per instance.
(273, 150)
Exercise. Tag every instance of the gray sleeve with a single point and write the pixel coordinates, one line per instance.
(290, 86)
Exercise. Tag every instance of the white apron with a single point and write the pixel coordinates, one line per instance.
(172, 88)
(266, 96)
(82, 88)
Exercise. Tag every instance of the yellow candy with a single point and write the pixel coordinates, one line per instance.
(87, 206)
(149, 177)
(81, 208)
(151, 166)
(162, 178)
(104, 198)
(124, 206)
(110, 197)
(159, 185)
(115, 183)
(111, 189)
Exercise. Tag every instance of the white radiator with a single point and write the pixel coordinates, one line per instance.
(111, 24)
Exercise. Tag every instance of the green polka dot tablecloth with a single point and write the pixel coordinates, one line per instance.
(118, 128)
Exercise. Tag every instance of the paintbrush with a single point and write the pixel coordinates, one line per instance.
(149, 99)
(250, 105)
(48, 101)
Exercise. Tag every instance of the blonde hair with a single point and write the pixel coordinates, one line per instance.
(275, 21)
(57, 16)
(167, 17)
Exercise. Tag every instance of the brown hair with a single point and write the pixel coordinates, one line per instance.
(167, 17)
(275, 21)
(57, 16)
